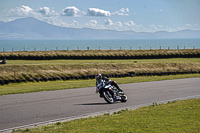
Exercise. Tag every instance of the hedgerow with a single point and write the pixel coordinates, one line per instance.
(100, 54)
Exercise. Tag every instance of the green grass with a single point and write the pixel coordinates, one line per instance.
(16, 88)
(31, 69)
(21, 69)
(176, 117)
(170, 60)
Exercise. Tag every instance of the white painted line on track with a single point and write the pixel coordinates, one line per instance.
(9, 130)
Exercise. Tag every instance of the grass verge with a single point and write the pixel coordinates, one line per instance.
(28, 71)
(66, 62)
(16, 88)
(176, 116)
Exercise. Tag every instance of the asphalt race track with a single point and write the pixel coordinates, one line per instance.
(24, 109)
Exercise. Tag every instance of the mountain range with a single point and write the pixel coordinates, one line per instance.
(31, 28)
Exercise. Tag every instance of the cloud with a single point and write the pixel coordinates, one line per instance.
(108, 22)
(100, 12)
(57, 18)
(70, 11)
(160, 26)
(47, 11)
(21, 11)
(97, 12)
(191, 25)
(75, 23)
(153, 28)
(24, 11)
(93, 22)
(55, 21)
(122, 12)
(159, 10)
(129, 23)
(119, 24)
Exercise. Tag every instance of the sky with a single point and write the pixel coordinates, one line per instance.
(121, 15)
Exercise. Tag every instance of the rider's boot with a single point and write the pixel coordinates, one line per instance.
(121, 92)
(101, 93)
(117, 86)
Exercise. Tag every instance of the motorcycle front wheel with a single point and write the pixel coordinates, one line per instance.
(124, 98)
(108, 97)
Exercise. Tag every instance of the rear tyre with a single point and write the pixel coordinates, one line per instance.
(108, 97)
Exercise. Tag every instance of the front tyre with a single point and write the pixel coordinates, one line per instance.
(124, 98)
(108, 97)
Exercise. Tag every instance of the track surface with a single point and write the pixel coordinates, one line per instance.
(23, 109)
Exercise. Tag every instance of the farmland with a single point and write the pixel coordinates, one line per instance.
(35, 66)
(51, 70)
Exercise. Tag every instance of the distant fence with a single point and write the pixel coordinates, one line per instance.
(99, 48)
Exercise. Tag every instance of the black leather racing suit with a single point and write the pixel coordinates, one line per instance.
(100, 84)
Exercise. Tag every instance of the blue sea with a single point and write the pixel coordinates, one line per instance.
(135, 44)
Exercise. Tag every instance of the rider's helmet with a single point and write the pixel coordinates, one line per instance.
(98, 76)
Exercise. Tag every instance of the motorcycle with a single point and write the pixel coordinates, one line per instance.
(111, 94)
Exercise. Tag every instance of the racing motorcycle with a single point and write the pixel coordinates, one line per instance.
(111, 94)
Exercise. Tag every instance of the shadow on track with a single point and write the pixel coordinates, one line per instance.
(93, 104)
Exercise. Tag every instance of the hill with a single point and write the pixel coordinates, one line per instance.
(31, 28)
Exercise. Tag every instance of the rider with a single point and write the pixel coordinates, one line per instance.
(100, 84)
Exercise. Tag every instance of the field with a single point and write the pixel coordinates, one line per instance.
(23, 74)
(175, 116)
(29, 66)
(51, 70)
